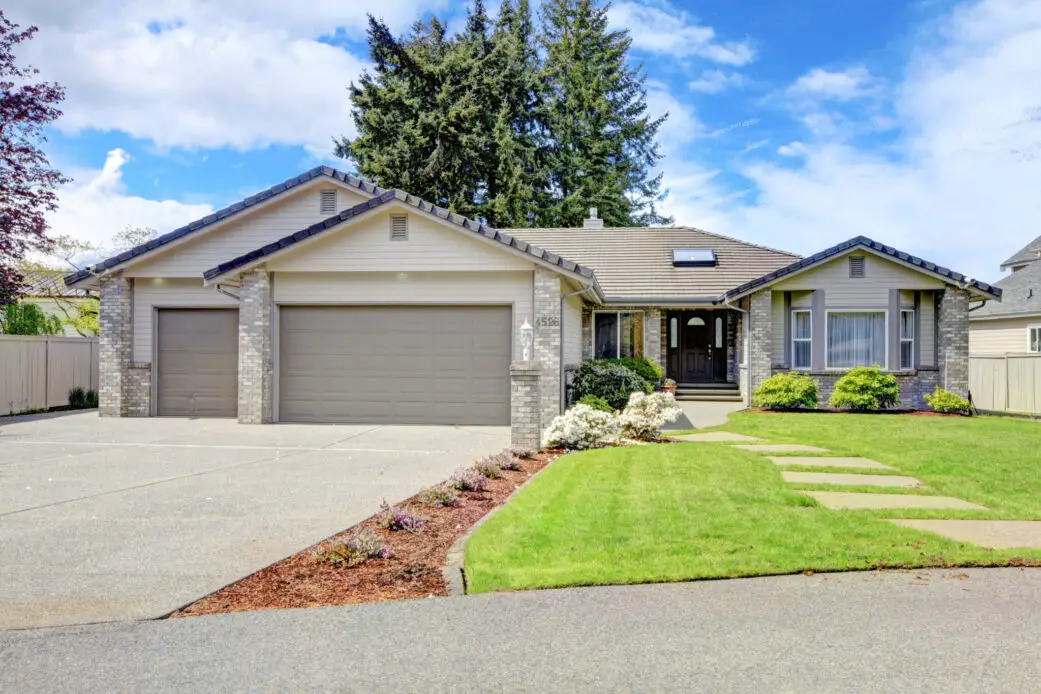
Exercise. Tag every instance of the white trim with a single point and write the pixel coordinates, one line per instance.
(618, 333)
(829, 311)
(1029, 329)
(801, 339)
(901, 339)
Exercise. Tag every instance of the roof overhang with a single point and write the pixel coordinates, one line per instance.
(1004, 316)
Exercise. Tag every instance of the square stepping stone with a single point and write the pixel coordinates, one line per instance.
(993, 534)
(781, 448)
(850, 480)
(831, 461)
(715, 437)
(852, 500)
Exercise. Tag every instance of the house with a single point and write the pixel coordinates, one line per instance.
(46, 290)
(1012, 326)
(327, 299)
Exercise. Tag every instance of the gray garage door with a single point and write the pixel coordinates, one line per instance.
(197, 363)
(401, 365)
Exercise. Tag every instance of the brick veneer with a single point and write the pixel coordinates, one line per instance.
(548, 291)
(137, 390)
(525, 404)
(256, 367)
(760, 339)
(952, 319)
(114, 344)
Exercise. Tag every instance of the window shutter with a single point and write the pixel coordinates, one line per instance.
(399, 227)
(328, 202)
(856, 266)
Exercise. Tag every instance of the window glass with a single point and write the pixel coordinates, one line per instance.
(695, 321)
(674, 330)
(631, 334)
(856, 339)
(719, 333)
(617, 335)
(907, 325)
(1035, 339)
(606, 337)
(802, 346)
(907, 339)
(801, 325)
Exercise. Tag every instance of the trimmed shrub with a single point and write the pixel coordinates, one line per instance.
(356, 549)
(645, 415)
(597, 403)
(440, 495)
(468, 480)
(866, 388)
(786, 392)
(612, 382)
(646, 369)
(582, 427)
(489, 467)
(947, 402)
(397, 518)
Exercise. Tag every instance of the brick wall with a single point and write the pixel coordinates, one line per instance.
(114, 344)
(548, 291)
(137, 390)
(952, 319)
(653, 336)
(256, 367)
(760, 339)
(914, 386)
(525, 404)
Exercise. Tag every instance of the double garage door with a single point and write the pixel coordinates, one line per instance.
(379, 365)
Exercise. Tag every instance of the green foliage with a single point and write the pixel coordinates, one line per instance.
(612, 382)
(866, 388)
(648, 370)
(947, 402)
(81, 398)
(786, 391)
(596, 402)
(28, 319)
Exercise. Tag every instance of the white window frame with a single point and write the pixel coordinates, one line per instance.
(1030, 329)
(914, 336)
(618, 333)
(828, 312)
(801, 339)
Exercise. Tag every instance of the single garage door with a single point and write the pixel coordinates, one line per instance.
(197, 363)
(396, 364)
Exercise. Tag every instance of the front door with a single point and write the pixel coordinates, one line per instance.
(696, 351)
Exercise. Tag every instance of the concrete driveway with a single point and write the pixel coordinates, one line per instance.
(116, 519)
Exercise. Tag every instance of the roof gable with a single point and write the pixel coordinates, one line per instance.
(1027, 254)
(1020, 295)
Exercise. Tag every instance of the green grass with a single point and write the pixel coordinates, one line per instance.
(676, 512)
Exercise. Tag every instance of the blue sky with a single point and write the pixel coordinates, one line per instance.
(794, 123)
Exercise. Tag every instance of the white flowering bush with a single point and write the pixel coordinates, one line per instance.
(582, 427)
(645, 415)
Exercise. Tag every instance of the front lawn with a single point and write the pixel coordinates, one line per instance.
(676, 512)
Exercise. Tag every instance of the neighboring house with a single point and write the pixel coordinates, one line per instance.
(48, 292)
(326, 299)
(1014, 325)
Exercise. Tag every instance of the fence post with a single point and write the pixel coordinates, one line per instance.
(47, 373)
(1008, 386)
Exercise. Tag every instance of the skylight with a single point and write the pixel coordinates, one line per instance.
(693, 257)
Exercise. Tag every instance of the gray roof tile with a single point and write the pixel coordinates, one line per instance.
(1020, 295)
(1027, 254)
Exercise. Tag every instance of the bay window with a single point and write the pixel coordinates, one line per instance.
(617, 334)
(907, 338)
(802, 339)
(856, 338)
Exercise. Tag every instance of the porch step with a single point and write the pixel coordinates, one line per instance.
(706, 386)
(708, 395)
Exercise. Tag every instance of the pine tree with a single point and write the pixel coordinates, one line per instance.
(602, 142)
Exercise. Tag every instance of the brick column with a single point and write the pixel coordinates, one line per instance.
(953, 348)
(547, 341)
(525, 405)
(114, 344)
(652, 336)
(760, 360)
(256, 367)
(137, 390)
(587, 333)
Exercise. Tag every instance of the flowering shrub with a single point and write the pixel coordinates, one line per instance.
(786, 391)
(582, 427)
(866, 388)
(439, 496)
(468, 480)
(645, 415)
(950, 403)
(522, 451)
(397, 518)
(489, 467)
(356, 549)
(507, 460)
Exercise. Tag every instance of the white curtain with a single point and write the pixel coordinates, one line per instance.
(856, 339)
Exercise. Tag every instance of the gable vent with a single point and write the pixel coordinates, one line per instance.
(399, 227)
(856, 266)
(328, 202)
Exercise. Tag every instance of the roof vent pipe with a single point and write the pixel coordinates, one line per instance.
(593, 222)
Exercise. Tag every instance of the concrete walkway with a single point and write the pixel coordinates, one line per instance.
(702, 415)
(924, 631)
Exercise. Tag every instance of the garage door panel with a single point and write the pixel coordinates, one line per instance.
(197, 363)
(423, 365)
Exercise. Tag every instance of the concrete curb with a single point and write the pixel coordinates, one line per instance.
(454, 571)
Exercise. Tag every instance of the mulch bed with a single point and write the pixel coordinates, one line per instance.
(415, 571)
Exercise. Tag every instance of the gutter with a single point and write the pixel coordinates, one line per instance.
(225, 292)
(977, 308)
(658, 301)
(563, 378)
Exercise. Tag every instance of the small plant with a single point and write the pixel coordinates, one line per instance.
(597, 403)
(468, 480)
(92, 399)
(78, 398)
(866, 388)
(669, 382)
(646, 369)
(439, 496)
(947, 402)
(522, 451)
(645, 415)
(489, 467)
(582, 427)
(356, 549)
(612, 382)
(506, 460)
(398, 518)
(786, 391)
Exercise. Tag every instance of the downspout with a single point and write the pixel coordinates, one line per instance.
(977, 308)
(563, 376)
(747, 356)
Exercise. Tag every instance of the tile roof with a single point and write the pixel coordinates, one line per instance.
(222, 214)
(636, 263)
(400, 196)
(1020, 295)
(1027, 254)
(863, 241)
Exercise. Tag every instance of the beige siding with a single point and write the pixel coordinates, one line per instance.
(431, 245)
(168, 293)
(279, 218)
(802, 299)
(1002, 336)
(503, 288)
(871, 291)
(928, 328)
(573, 330)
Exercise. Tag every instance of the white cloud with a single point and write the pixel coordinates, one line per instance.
(715, 81)
(682, 125)
(842, 85)
(664, 29)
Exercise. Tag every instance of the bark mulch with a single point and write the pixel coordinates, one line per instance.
(415, 571)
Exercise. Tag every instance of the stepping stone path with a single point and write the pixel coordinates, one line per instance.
(993, 534)
(715, 437)
(781, 448)
(850, 480)
(852, 500)
(865, 463)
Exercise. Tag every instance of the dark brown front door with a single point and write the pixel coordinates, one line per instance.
(697, 352)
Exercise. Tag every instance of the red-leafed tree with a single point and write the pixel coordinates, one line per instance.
(28, 184)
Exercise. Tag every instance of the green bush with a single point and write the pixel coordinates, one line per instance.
(786, 392)
(77, 398)
(612, 382)
(866, 388)
(645, 368)
(92, 399)
(947, 402)
(596, 402)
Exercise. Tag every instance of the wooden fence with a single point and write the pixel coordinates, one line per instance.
(37, 373)
(1006, 383)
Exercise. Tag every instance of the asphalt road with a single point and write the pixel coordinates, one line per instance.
(942, 631)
